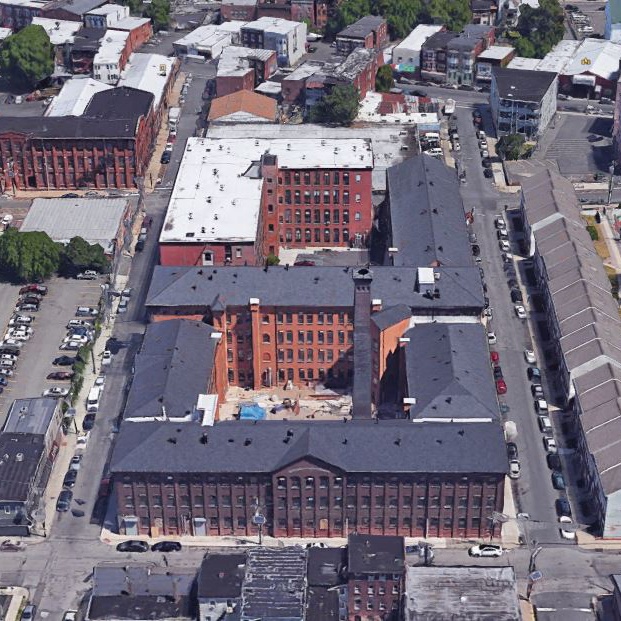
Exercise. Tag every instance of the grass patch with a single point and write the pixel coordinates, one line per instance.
(592, 230)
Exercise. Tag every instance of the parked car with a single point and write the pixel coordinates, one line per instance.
(12, 546)
(558, 481)
(64, 361)
(82, 441)
(545, 424)
(497, 371)
(56, 392)
(29, 613)
(534, 374)
(563, 508)
(541, 406)
(501, 387)
(21, 320)
(520, 311)
(499, 222)
(512, 450)
(516, 295)
(165, 159)
(140, 245)
(70, 615)
(494, 357)
(514, 469)
(122, 307)
(529, 356)
(87, 275)
(100, 380)
(70, 478)
(6, 372)
(88, 422)
(79, 323)
(550, 444)
(504, 245)
(76, 462)
(10, 350)
(554, 461)
(86, 311)
(566, 527)
(166, 546)
(71, 346)
(106, 357)
(76, 338)
(133, 545)
(491, 338)
(64, 501)
(27, 307)
(34, 288)
(486, 550)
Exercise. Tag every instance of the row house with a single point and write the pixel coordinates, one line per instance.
(243, 68)
(117, 17)
(370, 32)
(286, 38)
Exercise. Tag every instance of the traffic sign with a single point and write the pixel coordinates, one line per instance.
(258, 519)
(534, 576)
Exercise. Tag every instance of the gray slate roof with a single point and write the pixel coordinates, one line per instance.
(448, 372)
(174, 287)
(173, 367)
(221, 575)
(355, 447)
(522, 84)
(428, 221)
(361, 28)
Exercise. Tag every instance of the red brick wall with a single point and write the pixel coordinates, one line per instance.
(307, 499)
(242, 12)
(138, 36)
(298, 193)
(385, 344)
(182, 253)
(365, 80)
(385, 596)
(225, 85)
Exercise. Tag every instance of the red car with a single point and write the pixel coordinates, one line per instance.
(501, 387)
(494, 357)
(40, 289)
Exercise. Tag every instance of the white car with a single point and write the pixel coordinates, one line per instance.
(502, 231)
(550, 445)
(100, 380)
(16, 336)
(106, 357)
(491, 338)
(504, 245)
(21, 320)
(499, 222)
(76, 338)
(79, 323)
(70, 615)
(8, 357)
(514, 469)
(70, 346)
(56, 392)
(520, 311)
(541, 406)
(486, 549)
(83, 440)
(529, 356)
(13, 343)
(566, 526)
(76, 462)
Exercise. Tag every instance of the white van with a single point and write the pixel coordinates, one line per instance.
(435, 152)
(92, 401)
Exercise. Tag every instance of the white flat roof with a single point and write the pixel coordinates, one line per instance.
(60, 31)
(74, 96)
(107, 9)
(558, 56)
(233, 60)
(521, 62)
(130, 22)
(269, 88)
(144, 72)
(495, 52)
(273, 24)
(207, 36)
(112, 44)
(29, 4)
(217, 192)
(97, 220)
(4, 33)
(417, 37)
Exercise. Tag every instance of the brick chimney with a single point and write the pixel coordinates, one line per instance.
(363, 367)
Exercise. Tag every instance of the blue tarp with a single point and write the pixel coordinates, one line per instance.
(251, 412)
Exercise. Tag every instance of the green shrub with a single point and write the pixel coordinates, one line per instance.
(593, 232)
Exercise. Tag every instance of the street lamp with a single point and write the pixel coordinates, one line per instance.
(611, 170)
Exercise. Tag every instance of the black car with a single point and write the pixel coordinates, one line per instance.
(166, 546)
(70, 477)
(487, 163)
(513, 283)
(563, 508)
(476, 250)
(558, 481)
(3, 381)
(418, 93)
(89, 422)
(516, 296)
(165, 159)
(70, 195)
(554, 461)
(533, 373)
(133, 545)
(140, 245)
(488, 173)
(64, 500)
(512, 450)
(64, 361)
(10, 349)
(497, 373)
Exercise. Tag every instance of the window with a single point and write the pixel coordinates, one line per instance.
(296, 178)
(320, 337)
(335, 197)
(345, 216)
(336, 236)
(307, 178)
(317, 235)
(298, 216)
(296, 197)
(326, 178)
(345, 197)
(309, 482)
(316, 197)
(309, 336)
(307, 216)
(307, 197)
(300, 355)
(317, 216)
(345, 235)
(326, 197)
(358, 178)
(358, 198)
(298, 235)
(288, 216)
(307, 235)
(300, 336)
(346, 178)
(357, 216)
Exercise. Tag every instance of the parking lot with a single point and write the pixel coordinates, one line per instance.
(35, 360)
(581, 144)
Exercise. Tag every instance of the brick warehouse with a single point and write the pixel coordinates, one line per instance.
(271, 340)
(257, 195)
(108, 146)
(310, 479)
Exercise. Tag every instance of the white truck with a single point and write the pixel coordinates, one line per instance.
(173, 118)
(449, 107)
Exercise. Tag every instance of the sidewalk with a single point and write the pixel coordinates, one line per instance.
(19, 597)
(613, 249)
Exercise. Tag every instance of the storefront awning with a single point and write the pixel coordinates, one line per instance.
(587, 80)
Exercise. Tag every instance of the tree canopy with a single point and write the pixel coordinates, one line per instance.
(79, 255)
(340, 106)
(403, 15)
(159, 12)
(540, 29)
(28, 256)
(384, 80)
(27, 57)
(510, 147)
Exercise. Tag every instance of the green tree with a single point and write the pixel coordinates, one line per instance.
(402, 15)
(347, 13)
(79, 255)
(27, 57)
(543, 27)
(159, 12)
(28, 256)
(135, 6)
(272, 259)
(524, 47)
(384, 79)
(455, 14)
(510, 147)
(340, 106)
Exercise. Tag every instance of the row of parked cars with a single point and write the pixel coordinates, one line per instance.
(20, 330)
